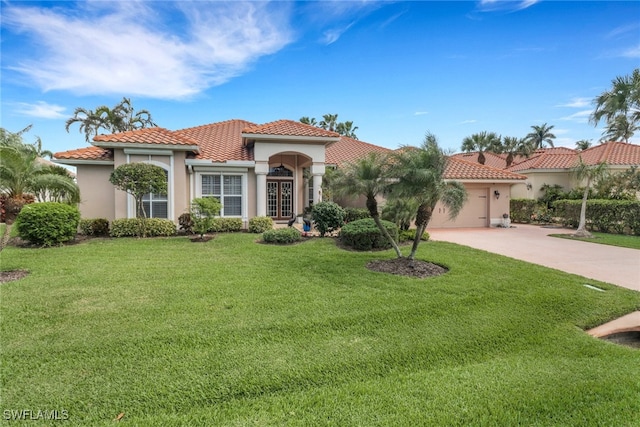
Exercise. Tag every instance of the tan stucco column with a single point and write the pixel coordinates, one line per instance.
(317, 170)
(262, 168)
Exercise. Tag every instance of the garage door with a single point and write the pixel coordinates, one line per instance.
(473, 214)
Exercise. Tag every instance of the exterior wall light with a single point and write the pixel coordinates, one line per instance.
(497, 194)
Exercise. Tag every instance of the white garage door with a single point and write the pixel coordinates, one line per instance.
(473, 214)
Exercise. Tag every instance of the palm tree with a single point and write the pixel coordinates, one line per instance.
(367, 176)
(329, 122)
(481, 142)
(419, 173)
(583, 144)
(122, 117)
(308, 121)
(623, 98)
(347, 129)
(589, 173)
(515, 147)
(540, 136)
(620, 128)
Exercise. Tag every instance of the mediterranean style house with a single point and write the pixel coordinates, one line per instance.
(554, 166)
(273, 169)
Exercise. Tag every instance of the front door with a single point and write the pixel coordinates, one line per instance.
(280, 198)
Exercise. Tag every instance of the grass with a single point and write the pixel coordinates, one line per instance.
(622, 240)
(235, 333)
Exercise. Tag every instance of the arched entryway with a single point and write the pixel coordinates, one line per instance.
(280, 193)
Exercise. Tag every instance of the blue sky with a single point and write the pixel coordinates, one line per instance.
(396, 69)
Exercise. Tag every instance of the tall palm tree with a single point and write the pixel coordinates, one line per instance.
(122, 117)
(347, 129)
(420, 176)
(620, 128)
(329, 122)
(367, 176)
(515, 147)
(587, 173)
(309, 121)
(583, 144)
(481, 142)
(623, 98)
(540, 136)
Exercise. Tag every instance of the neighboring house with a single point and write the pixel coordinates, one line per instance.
(274, 169)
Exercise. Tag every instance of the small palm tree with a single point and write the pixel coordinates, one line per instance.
(308, 121)
(515, 147)
(420, 176)
(367, 176)
(583, 144)
(589, 173)
(481, 142)
(329, 122)
(540, 136)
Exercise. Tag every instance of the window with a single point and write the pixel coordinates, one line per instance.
(228, 189)
(156, 205)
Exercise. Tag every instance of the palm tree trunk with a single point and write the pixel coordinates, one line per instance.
(372, 206)
(422, 219)
(582, 226)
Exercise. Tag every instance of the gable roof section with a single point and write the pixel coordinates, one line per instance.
(349, 149)
(145, 137)
(546, 161)
(86, 154)
(493, 160)
(288, 128)
(464, 170)
(220, 141)
(613, 153)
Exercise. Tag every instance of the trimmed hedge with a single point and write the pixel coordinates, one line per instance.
(409, 235)
(354, 214)
(260, 224)
(48, 223)
(523, 210)
(226, 225)
(327, 217)
(131, 227)
(94, 227)
(282, 236)
(364, 234)
(608, 216)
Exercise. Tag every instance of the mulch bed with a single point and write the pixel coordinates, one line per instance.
(10, 276)
(407, 267)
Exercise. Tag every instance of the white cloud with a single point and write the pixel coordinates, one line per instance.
(579, 117)
(105, 48)
(40, 109)
(504, 5)
(420, 113)
(576, 103)
(632, 52)
(332, 35)
(466, 122)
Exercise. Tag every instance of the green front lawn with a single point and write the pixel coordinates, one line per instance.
(621, 240)
(231, 332)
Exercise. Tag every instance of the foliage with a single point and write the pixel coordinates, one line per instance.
(583, 144)
(618, 216)
(226, 225)
(481, 142)
(10, 207)
(94, 227)
(513, 146)
(154, 227)
(619, 107)
(539, 136)
(327, 217)
(122, 117)
(410, 235)
(185, 223)
(203, 211)
(364, 234)
(48, 223)
(139, 179)
(551, 193)
(619, 186)
(282, 236)
(330, 122)
(354, 214)
(522, 210)
(589, 173)
(400, 211)
(260, 224)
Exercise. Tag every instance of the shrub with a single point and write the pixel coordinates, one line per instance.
(617, 216)
(364, 234)
(131, 227)
(48, 223)
(523, 210)
(282, 236)
(409, 235)
(94, 227)
(327, 217)
(354, 214)
(185, 223)
(226, 225)
(260, 224)
(203, 211)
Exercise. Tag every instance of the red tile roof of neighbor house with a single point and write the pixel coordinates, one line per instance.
(613, 153)
(460, 169)
(494, 160)
(88, 153)
(220, 141)
(348, 150)
(289, 128)
(153, 135)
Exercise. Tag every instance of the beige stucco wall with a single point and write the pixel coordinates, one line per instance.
(537, 180)
(96, 192)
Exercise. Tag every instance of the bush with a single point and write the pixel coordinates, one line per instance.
(203, 211)
(618, 216)
(94, 227)
(327, 217)
(354, 214)
(523, 210)
(48, 223)
(282, 236)
(131, 227)
(364, 234)
(409, 235)
(185, 223)
(226, 225)
(260, 224)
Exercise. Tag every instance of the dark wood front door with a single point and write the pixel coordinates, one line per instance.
(280, 198)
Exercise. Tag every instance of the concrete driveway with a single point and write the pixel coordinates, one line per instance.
(610, 264)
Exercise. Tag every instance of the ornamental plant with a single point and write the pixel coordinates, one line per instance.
(203, 211)
(48, 223)
(327, 217)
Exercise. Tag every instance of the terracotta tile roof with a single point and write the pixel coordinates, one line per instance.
(220, 141)
(460, 169)
(613, 153)
(493, 160)
(349, 149)
(88, 153)
(289, 128)
(546, 160)
(154, 135)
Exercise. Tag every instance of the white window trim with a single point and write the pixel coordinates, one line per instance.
(244, 186)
